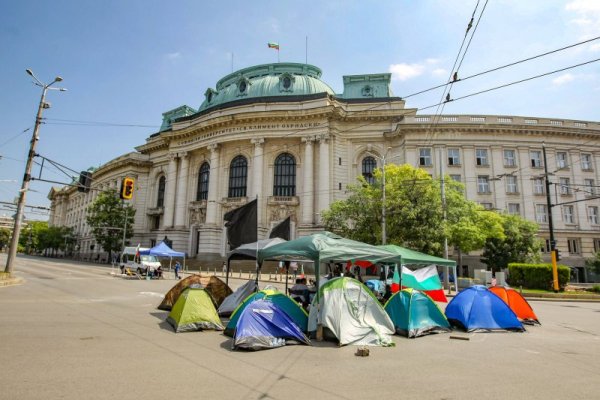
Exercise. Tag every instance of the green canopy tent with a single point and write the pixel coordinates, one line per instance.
(412, 257)
(326, 247)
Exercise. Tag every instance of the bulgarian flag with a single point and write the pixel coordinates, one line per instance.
(426, 280)
(273, 45)
(396, 281)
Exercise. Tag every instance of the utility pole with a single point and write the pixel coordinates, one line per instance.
(14, 242)
(443, 194)
(550, 225)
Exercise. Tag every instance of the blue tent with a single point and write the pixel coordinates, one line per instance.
(263, 325)
(163, 250)
(476, 309)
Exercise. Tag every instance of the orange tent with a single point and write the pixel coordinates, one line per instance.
(516, 302)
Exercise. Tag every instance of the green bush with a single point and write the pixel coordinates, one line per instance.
(596, 288)
(537, 276)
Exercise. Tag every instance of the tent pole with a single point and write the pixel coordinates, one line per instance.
(227, 273)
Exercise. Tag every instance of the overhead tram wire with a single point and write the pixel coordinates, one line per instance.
(453, 74)
(502, 67)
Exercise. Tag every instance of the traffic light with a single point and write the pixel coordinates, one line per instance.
(127, 186)
(557, 255)
(85, 181)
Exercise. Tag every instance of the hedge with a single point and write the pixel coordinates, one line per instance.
(537, 276)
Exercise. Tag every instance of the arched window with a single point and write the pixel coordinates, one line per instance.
(203, 176)
(285, 175)
(160, 198)
(238, 174)
(368, 166)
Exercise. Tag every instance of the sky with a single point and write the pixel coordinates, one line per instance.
(125, 62)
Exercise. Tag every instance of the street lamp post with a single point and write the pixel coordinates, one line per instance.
(383, 221)
(14, 242)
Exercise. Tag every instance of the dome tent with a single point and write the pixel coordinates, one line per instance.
(476, 309)
(194, 311)
(517, 303)
(216, 287)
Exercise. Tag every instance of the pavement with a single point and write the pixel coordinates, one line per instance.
(75, 331)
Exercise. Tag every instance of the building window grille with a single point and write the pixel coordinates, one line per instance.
(538, 186)
(160, 197)
(456, 178)
(568, 214)
(536, 159)
(509, 158)
(590, 190)
(453, 157)
(561, 160)
(238, 176)
(541, 213)
(586, 162)
(573, 246)
(203, 178)
(285, 175)
(481, 156)
(511, 184)
(425, 157)
(483, 184)
(565, 187)
(368, 166)
(593, 215)
(514, 208)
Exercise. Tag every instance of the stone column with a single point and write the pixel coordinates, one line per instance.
(182, 186)
(257, 179)
(324, 186)
(170, 188)
(308, 182)
(213, 178)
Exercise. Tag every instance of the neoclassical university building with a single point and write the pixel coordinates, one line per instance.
(279, 134)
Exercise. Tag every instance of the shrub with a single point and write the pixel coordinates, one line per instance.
(537, 276)
(596, 288)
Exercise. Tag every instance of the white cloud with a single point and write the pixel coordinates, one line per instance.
(405, 71)
(587, 16)
(595, 47)
(583, 6)
(432, 61)
(439, 72)
(563, 79)
(173, 56)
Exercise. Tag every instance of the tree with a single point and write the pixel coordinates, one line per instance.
(519, 244)
(107, 216)
(4, 237)
(37, 236)
(414, 214)
(593, 263)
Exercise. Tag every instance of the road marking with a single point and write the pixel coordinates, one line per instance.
(152, 294)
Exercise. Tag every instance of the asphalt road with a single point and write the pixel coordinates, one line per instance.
(73, 331)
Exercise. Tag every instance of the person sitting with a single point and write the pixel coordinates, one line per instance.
(300, 291)
(158, 273)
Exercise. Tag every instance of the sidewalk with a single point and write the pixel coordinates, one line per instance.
(7, 280)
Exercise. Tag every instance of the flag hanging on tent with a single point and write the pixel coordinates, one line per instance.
(241, 224)
(273, 45)
(396, 281)
(281, 230)
(426, 280)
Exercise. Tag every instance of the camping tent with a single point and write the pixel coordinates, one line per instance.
(162, 250)
(194, 311)
(216, 287)
(517, 303)
(264, 325)
(476, 309)
(287, 305)
(234, 299)
(326, 247)
(248, 251)
(415, 314)
(412, 257)
(352, 313)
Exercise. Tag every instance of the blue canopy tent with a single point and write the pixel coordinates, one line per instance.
(163, 250)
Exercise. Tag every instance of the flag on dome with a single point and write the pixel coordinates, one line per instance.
(426, 280)
(273, 45)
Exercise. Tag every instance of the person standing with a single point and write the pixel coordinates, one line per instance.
(177, 268)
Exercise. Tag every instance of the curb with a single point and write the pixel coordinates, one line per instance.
(10, 282)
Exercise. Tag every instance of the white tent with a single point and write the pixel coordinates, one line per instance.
(350, 311)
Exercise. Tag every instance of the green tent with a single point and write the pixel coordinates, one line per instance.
(415, 314)
(326, 247)
(412, 257)
(194, 311)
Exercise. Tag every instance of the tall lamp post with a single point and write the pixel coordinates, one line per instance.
(14, 242)
(383, 159)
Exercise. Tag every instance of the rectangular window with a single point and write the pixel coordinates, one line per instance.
(538, 186)
(511, 184)
(546, 246)
(565, 187)
(509, 158)
(481, 156)
(514, 208)
(455, 178)
(568, 214)
(561, 160)
(586, 162)
(453, 157)
(487, 206)
(536, 158)
(541, 213)
(593, 215)
(483, 184)
(573, 245)
(425, 157)
(590, 190)
(596, 245)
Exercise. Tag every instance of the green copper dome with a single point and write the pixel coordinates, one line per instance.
(268, 80)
